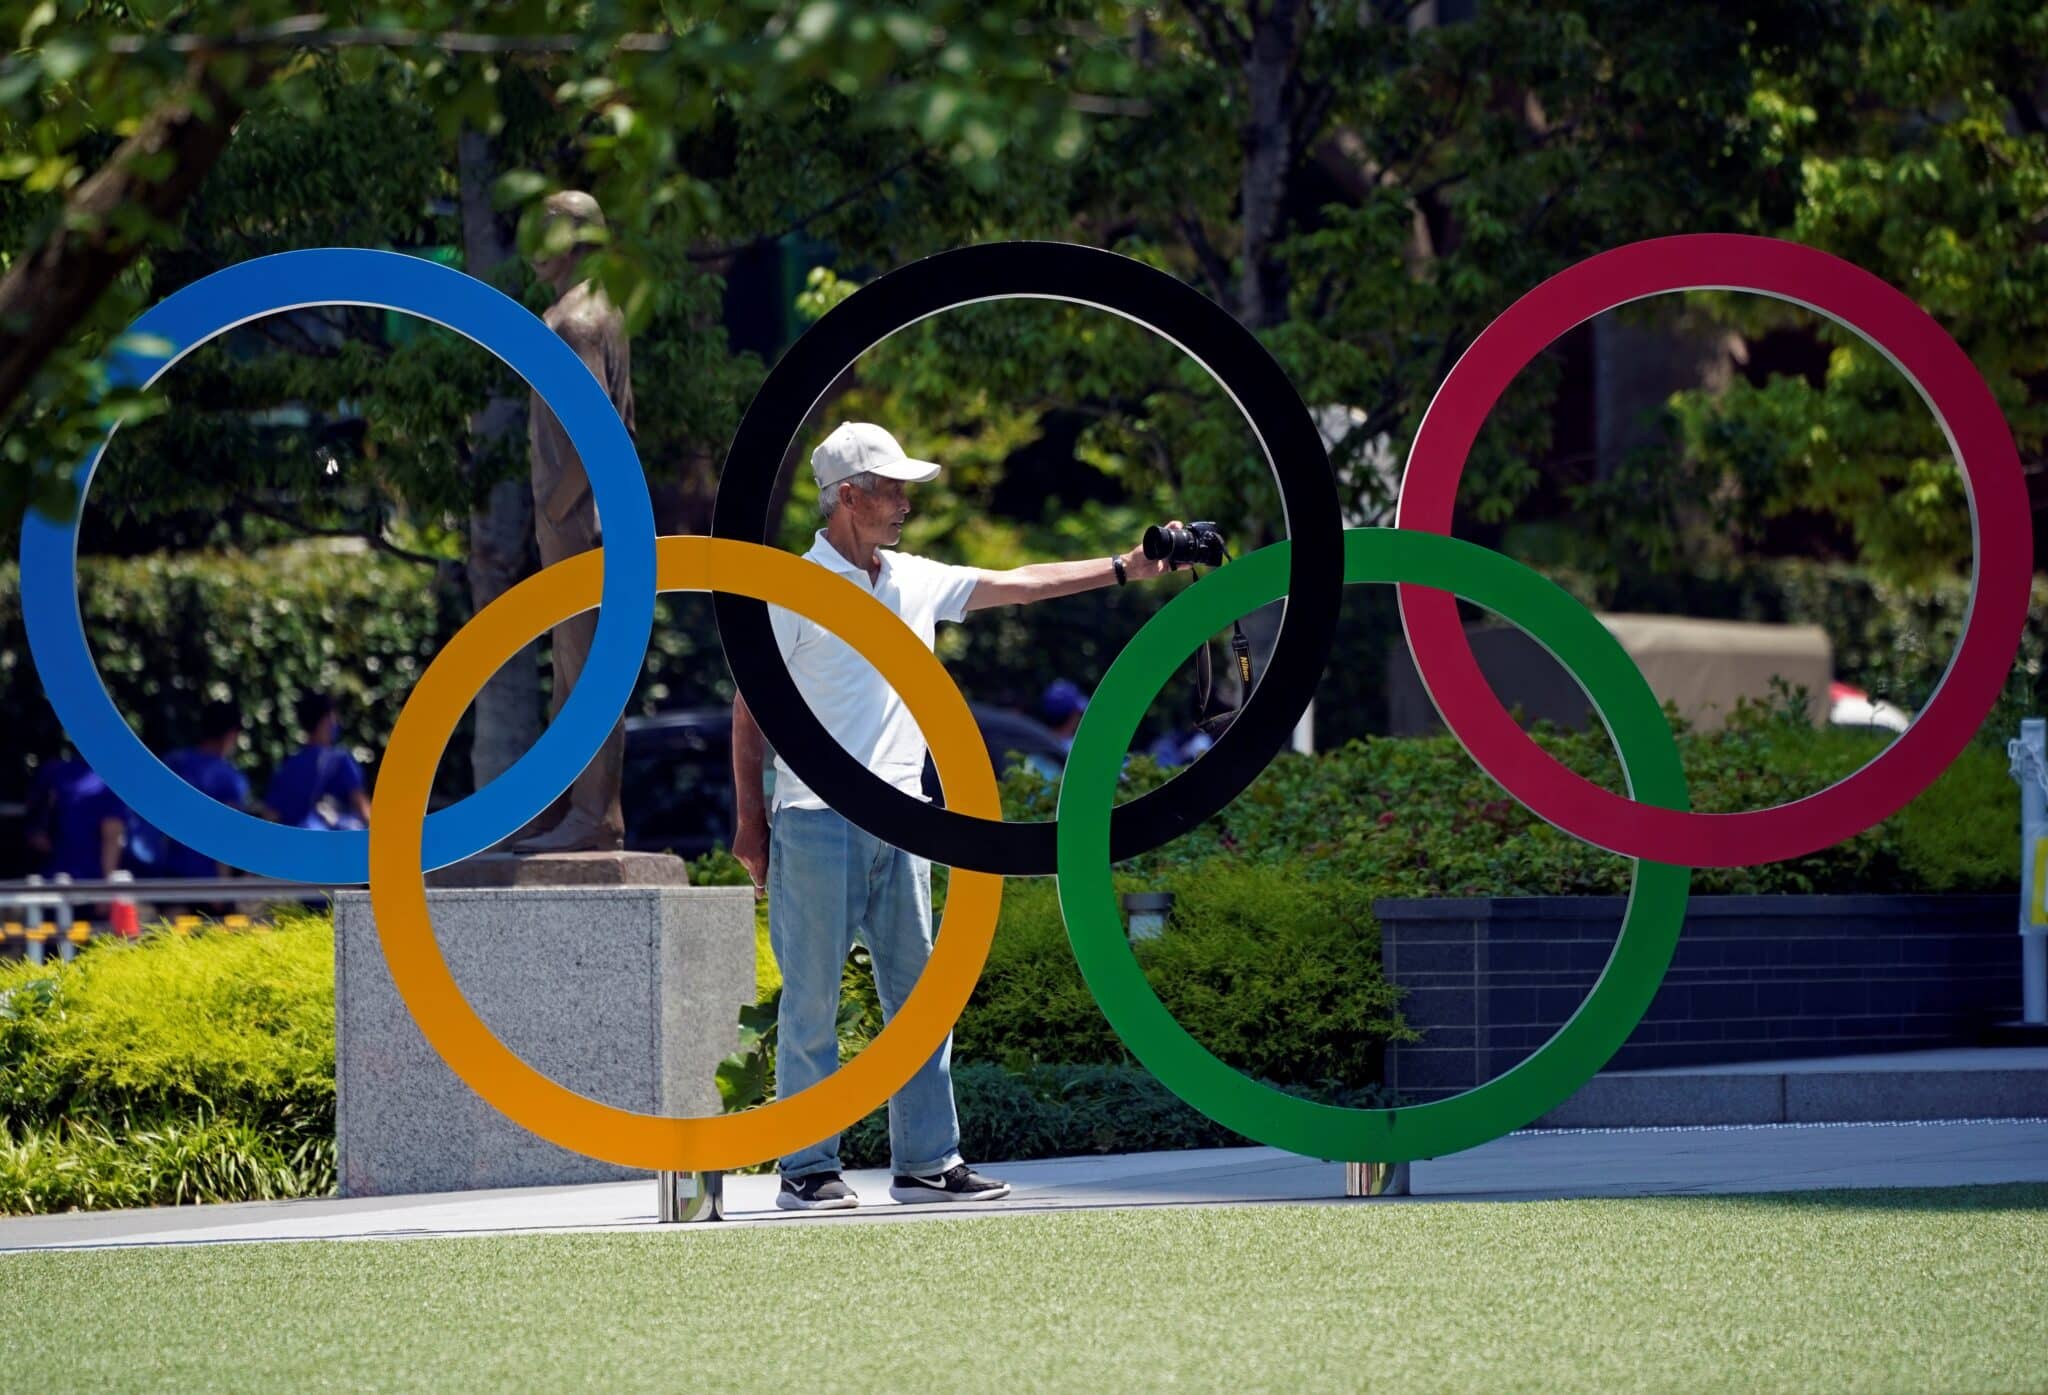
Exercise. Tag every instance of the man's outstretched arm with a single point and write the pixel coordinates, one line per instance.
(1041, 581)
(750, 837)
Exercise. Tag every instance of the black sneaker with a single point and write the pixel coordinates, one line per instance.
(821, 1191)
(956, 1183)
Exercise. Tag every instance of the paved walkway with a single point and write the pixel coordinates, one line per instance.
(1533, 1165)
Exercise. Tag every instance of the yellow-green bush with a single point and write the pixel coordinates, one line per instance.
(172, 1069)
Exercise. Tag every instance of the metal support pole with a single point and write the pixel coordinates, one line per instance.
(1369, 1179)
(33, 914)
(62, 916)
(690, 1196)
(2029, 757)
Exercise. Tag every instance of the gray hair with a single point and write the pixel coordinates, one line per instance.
(867, 482)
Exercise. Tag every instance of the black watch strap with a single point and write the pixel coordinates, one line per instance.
(1118, 563)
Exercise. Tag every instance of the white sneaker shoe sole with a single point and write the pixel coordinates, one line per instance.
(919, 1196)
(789, 1201)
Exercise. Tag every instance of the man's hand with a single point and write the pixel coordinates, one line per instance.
(750, 817)
(1139, 567)
(750, 846)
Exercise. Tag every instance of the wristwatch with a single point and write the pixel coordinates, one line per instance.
(1118, 563)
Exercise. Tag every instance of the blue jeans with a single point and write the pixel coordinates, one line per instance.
(828, 883)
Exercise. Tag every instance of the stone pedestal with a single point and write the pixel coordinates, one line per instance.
(565, 869)
(628, 994)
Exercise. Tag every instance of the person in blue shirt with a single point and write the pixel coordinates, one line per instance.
(77, 825)
(319, 785)
(206, 766)
(1060, 707)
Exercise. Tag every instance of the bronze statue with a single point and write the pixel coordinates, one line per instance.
(565, 522)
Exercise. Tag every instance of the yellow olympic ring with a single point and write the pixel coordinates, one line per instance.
(656, 1142)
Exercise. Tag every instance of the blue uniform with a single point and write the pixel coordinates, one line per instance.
(211, 775)
(309, 775)
(79, 803)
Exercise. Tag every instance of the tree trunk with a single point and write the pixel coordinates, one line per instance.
(50, 290)
(1268, 134)
(501, 530)
(1272, 95)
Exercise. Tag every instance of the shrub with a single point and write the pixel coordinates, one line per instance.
(1416, 817)
(1052, 1111)
(169, 1161)
(173, 1069)
(235, 1024)
(1277, 974)
(203, 1068)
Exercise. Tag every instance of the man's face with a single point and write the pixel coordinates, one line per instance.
(878, 514)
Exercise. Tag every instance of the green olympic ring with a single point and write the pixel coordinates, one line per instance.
(1642, 952)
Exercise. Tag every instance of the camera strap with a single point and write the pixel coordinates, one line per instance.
(1205, 674)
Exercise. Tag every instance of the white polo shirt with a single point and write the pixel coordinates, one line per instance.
(845, 691)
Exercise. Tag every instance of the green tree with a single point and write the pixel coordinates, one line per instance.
(1366, 194)
(705, 131)
(114, 115)
(1923, 157)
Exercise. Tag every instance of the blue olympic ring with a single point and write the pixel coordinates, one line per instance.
(389, 281)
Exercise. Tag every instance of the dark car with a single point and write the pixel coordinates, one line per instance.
(678, 780)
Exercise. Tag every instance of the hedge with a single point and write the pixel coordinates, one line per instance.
(1416, 817)
(1276, 974)
(202, 1068)
(173, 632)
(1059, 1111)
(169, 1070)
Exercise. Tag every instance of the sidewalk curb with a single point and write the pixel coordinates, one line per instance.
(1820, 1093)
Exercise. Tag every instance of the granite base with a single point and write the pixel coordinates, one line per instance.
(627, 994)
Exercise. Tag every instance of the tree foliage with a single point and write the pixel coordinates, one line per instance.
(1363, 189)
(697, 126)
(1923, 157)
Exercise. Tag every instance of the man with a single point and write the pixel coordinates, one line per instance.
(565, 522)
(319, 785)
(207, 767)
(829, 881)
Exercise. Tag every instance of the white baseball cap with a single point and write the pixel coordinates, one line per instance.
(861, 448)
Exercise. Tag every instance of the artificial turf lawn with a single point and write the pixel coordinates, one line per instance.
(1905, 1291)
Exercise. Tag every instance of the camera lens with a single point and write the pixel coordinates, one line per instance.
(1197, 545)
(1162, 543)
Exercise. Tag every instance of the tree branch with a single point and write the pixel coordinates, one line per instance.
(1226, 42)
(1215, 270)
(50, 289)
(373, 536)
(311, 31)
(718, 254)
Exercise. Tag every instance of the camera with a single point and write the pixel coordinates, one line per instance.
(1197, 545)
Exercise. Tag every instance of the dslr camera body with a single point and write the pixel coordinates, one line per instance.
(1197, 545)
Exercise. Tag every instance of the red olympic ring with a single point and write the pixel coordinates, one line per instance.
(1999, 514)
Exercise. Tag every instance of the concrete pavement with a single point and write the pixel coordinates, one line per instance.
(1530, 1165)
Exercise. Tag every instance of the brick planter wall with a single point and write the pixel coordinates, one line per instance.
(1754, 978)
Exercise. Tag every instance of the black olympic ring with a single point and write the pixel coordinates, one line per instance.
(1200, 328)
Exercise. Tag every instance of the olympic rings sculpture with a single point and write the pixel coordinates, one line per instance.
(1430, 569)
